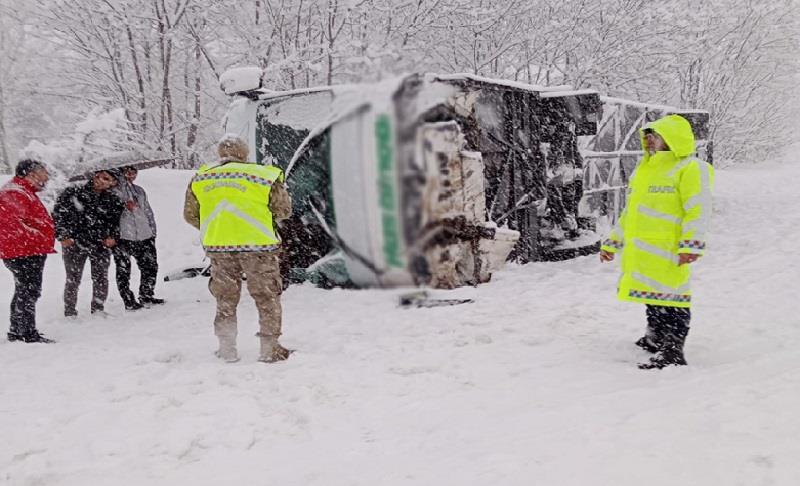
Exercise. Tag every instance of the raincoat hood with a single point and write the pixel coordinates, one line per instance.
(676, 132)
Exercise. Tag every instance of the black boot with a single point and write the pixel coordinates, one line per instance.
(130, 300)
(151, 301)
(653, 339)
(31, 337)
(133, 305)
(671, 324)
(665, 358)
(647, 345)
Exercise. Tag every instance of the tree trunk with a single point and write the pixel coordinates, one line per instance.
(139, 83)
(191, 137)
(5, 161)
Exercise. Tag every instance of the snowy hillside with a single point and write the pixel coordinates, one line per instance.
(533, 384)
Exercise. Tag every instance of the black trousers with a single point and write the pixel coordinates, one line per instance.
(75, 257)
(667, 327)
(27, 273)
(144, 252)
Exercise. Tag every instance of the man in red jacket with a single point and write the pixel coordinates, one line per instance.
(27, 235)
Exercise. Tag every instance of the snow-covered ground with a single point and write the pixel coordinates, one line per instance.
(533, 384)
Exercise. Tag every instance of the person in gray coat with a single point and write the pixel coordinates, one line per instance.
(138, 240)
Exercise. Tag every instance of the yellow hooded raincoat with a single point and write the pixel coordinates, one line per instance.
(667, 212)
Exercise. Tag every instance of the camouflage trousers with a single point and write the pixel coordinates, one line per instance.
(263, 278)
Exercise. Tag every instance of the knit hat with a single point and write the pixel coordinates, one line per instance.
(233, 147)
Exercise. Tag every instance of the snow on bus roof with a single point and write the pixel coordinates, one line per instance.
(621, 101)
(304, 109)
(577, 92)
(267, 94)
(501, 82)
(390, 85)
(240, 79)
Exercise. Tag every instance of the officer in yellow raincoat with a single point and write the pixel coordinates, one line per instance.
(661, 231)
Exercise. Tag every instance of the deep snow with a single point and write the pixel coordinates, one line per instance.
(533, 384)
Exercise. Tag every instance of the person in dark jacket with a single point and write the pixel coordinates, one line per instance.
(87, 225)
(137, 233)
(27, 236)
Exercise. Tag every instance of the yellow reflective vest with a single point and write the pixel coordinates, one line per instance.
(667, 212)
(234, 206)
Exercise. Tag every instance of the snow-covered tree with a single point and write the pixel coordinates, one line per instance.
(160, 60)
(741, 65)
(146, 57)
(99, 133)
(29, 104)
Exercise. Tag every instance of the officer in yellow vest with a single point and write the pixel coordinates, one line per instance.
(662, 230)
(235, 205)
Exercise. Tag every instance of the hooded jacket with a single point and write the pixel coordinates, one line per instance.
(27, 228)
(667, 212)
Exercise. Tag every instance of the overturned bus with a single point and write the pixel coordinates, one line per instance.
(431, 179)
